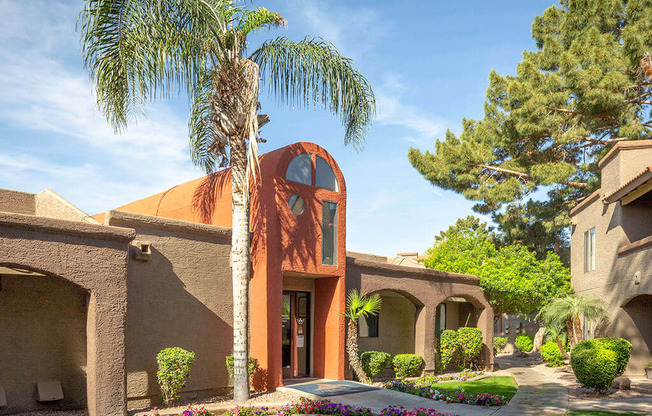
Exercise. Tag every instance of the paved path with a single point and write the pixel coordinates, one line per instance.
(379, 399)
(538, 393)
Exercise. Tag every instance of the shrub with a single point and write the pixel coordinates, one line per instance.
(524, 342)
(551, 354)
(173, 369)
(499, 344)
(251, 368)
(622, 347)
(470, 340)
(407, 365)
(594, 366)
(374, 362)
(449, 346)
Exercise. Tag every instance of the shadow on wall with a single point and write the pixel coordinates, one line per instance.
(165, 310)
(43, 337)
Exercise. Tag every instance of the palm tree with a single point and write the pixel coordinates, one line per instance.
(140, 50)
(358, 306)
(568, 311)
(557, 331)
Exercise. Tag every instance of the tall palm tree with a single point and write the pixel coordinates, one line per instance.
(358, 306)
(140, 50)
(569, 310)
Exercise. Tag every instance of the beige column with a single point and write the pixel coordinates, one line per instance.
(486, 325)
(424, 336)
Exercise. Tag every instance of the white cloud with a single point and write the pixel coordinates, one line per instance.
(46, 96)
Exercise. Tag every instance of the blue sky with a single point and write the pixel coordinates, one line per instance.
(428, 62)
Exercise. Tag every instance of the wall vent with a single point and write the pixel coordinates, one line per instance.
(49, 391)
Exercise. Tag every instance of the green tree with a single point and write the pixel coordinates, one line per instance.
(513, 278)
(569, 310)
(140, 50)
(585, 87)
(358, 306)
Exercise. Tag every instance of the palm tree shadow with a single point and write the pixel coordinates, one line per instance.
(208, 192)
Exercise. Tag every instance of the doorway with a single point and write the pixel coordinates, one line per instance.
(295, 337)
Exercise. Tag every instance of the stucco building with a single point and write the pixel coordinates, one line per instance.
(611, 247)
(89, 301)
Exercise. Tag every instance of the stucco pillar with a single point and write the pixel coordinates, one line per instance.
(424, 336)
(106, 375)
(486, 325)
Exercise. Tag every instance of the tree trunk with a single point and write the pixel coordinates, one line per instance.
(561, 348)
(352, 350)
(240, 266)
(538, 339)
(577, 328)
(571, 332)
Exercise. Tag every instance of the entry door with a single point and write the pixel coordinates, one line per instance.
(296, 334)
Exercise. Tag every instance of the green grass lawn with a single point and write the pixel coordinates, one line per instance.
(500, 386)
(582, 413)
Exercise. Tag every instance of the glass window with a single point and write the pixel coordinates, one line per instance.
(440, 319)
(368, 326)
(297, 204)
(300, 169)
(329, 233)
(325, 177)
(589, 250)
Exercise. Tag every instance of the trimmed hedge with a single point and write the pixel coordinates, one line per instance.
(374, 362)
(597, 362)
(551, 354)
(499, 344)
(470, 340)
(174, 366)
(407, 365)
(524, 342)
(448, 347)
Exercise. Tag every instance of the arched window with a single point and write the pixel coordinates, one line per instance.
(326, 178)
(300, 169)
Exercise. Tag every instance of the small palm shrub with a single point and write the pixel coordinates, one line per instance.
(449, 346)
(407, 365)
(499, 344)
(551, 354)
(174, 366)
(470, 341)
(374, 362)
(524, 342)
(597, 362)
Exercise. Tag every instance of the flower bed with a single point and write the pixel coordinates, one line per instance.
(189, 411)
(323, 407)
(457, 396)
(417, 411)
(461, 376)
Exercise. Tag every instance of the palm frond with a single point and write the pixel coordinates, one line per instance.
(312, 71)
(136, 50)
(259, 19)
(359, 305)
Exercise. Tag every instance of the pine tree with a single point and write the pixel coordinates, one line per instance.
(587, 86)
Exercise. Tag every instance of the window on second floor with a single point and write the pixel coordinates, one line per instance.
(589, 250)
(300, 169)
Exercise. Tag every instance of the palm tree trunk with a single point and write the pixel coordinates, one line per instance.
(240, 263)
(352, 350)
(561, 348)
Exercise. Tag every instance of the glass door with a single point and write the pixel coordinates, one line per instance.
(295, 337)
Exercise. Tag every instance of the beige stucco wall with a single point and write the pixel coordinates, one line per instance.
(617, 278)
(17, 202)
(43, 327)
(181, 297)
(425, 289)
(49, 204)
(95, 259)
(395, 327)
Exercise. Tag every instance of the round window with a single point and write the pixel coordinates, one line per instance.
(297, 205)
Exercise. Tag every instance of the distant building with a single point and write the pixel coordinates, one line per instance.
(89, 301)
(611, 247)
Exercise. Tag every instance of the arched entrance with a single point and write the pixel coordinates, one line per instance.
(43, 323)
(636, 327)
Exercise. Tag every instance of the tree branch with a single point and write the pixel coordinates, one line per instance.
(564, 110)
(528, 176)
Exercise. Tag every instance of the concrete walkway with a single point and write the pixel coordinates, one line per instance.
(538, 393)
(379, 399)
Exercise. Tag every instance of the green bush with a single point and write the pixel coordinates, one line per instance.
(449, 346)
(407, 365)
(470, 340)
(622, 347)
(524, 342)
(251, 368)
(499, 344)
(374, 362)
(551, 354)
(174, 366)
(594, 366)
